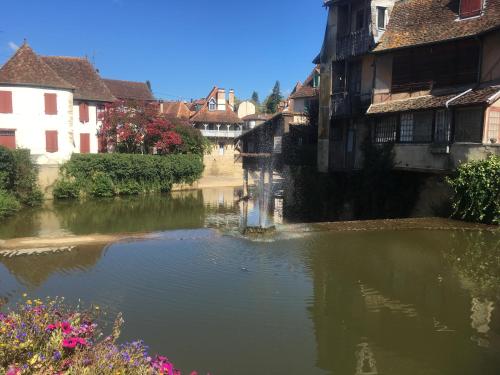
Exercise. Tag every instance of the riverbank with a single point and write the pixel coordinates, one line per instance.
(48, 244)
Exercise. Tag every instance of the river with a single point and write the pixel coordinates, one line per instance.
(387, 302)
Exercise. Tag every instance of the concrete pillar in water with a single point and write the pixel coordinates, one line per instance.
(245, 183)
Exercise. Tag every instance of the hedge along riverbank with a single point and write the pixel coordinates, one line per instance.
(476, 188)
(108, 175)
(18, 181)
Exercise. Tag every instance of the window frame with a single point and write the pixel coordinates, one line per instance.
(8, 108)
(49, 99)
(384, 10)
(212, 102)
(496, 111)
(470, 13)
(49, 147)
(455, 123)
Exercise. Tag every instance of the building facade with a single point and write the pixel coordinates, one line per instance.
(346, 68)
(437, 90)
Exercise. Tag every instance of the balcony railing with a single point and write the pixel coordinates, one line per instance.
(221, 133)
(346, 104)
(352, 44)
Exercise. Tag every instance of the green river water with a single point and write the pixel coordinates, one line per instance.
(390, 302)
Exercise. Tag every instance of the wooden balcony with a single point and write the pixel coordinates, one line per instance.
(353, 44)
(346, 104)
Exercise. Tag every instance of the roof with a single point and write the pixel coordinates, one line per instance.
(129, 90)
(26, 68)
(257, 117)
(419, 22)
(484, 95)
(228, 116)
(82, 75)
(176, 109)
(306, 90)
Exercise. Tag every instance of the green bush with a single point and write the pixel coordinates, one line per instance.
(66, 189)
(18, 176)
(104, 175)
(9, 205)
(476, 187)
(101, 186)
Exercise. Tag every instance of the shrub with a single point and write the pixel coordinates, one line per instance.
(476, 188)
(48, 337)
(9, 205)
(101, 186)
(102, 175)
(66, 189)
(18, 176)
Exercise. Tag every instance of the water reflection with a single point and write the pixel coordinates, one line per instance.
(34, 270)
(387, 302)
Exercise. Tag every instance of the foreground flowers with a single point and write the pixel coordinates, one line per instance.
(47, 337)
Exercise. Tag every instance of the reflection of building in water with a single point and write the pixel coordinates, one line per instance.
(365, 360)
(34, 270)
(375, 302)
(481, 313)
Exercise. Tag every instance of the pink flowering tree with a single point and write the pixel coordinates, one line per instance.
(136, 127)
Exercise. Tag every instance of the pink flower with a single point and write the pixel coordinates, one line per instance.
(13, 371)
(72, 342)
(51, 327)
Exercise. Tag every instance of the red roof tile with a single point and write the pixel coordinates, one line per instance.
(418, 22)
(176, 109)
(27, 69)
(82, 75)
(219, 117)
(306, 90)
(481, 95)
(128, 90)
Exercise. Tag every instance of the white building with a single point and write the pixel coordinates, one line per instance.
(50, 105)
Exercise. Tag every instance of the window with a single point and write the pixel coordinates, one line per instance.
(51, 143)
(470, 8)
(442, 131)
(381, 18)
(316, 80)
(5, 102)
(84, 112)
(422, 126)
(221, 149)
(50, 104)
(469, 125)
(360, 19)
(84, 143)
(494, 126)
(8, 138)
(385, 129)
(406, 127)
(212, 105)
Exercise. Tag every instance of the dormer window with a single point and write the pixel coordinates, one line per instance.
(470, 8)
(212, 105)
(316, 80)
(382, 18)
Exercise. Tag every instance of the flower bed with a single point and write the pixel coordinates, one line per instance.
(47, 337)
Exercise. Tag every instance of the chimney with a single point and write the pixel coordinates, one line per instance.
(221, 100)
(231, 99)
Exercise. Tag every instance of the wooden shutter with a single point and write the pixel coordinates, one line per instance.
(8, 138)
(84, 143)
(51, 142)
(51, 104)
(84, 113)
(5, 101)
(470, 8)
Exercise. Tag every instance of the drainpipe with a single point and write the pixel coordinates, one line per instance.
(456, 97)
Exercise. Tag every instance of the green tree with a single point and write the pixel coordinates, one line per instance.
(273, 100)
(255, 98)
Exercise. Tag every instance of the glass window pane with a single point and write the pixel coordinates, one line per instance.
(494, 127)
(468, 125)
(406, 128)
(422, 126)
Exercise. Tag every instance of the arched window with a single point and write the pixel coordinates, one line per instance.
(212, 105)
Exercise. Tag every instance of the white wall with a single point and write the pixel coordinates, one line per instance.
(30, 122)
(90, 127)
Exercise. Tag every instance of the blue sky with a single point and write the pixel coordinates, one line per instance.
(183, 47)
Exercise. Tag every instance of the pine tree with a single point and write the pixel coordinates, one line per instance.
(255, 98)
(273, 100)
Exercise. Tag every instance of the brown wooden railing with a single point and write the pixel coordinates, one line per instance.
(352, 44)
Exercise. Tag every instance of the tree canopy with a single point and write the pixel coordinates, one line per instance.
(273, 100)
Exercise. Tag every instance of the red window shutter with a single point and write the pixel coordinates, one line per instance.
(5, 102)
(51, 104)
(84, 112)
(84, 143)
(51, 142)
(8, 138)
(470, 8)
